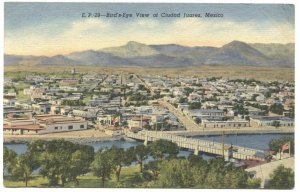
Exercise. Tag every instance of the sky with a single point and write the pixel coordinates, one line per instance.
(59, 28)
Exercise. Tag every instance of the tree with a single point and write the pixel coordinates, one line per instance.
(281, 178)
(163, 148)
(120, 158)
(276, 124)
(253, 183)
(102, 166)
(61, 160)
(9, 159)
(80, 162)
(195, 105)
(175, 173)
(154, 167)
(25, 165)
(141, 154)
(197, 120)
(277, 108)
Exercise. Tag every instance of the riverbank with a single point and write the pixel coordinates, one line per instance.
(82, 136)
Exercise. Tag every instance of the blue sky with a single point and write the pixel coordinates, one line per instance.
(57, 28)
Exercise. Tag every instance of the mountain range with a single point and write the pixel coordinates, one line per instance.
(169, 55)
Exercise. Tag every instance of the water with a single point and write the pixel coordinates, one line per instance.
(258, 141)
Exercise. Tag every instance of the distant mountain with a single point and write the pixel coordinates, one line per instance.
(170, 55)
(283, 53)
(236, 52)
(91, 57)
(161, 60)
(131, 49)
(37, 60)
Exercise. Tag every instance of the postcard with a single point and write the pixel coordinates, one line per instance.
(149, 95)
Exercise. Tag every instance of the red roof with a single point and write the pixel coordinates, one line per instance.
(26, 127)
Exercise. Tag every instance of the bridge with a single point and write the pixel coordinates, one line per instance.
(229, 151)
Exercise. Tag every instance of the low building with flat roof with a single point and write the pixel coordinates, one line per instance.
(221, 124)
(20, 126)
(269, 121)
(58, 123)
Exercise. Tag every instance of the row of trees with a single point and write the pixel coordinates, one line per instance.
(62, 161)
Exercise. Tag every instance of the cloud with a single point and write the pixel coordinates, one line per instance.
(96, 34)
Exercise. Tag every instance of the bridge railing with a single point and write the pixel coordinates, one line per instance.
(242, 152)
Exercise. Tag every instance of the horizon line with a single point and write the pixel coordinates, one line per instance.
(52, 55)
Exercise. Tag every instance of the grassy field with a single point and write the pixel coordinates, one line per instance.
(236, 71)
(130, 177)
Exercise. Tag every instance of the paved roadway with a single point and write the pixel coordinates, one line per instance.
(188, 123)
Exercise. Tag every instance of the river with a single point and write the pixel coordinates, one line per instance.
(256, 141)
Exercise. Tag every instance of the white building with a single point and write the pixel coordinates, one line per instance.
(221, 124)
(269, 121)
(58, 123)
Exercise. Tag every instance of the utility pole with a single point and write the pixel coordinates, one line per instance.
(279, 153)
(289, 148)
(223, 147)
(141, 120)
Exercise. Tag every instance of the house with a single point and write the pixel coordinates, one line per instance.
(221, 124)
(84, 114)
(253, 111)
(59, 123)
(107, 119)
(65, 110)
(137, 122)
(260, 121)
(69, 81)
(20, 126)
(41, 108)
(205, 114)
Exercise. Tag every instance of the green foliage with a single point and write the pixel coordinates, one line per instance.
(9, 159)
(154, 168)
(182, 100)
(275, 144)
(195, 105)
(281, 178)
(241, 110)
(195, 172)
(277, 108)
(197, 120)
(120, 158)
(139, 97)
(25, 164)
(253, 183)
(276, 124)
(188, 90)
(175, 174)
(141, 154)
(103, 165)
(80, 162)
(161, 149)
(61, 160)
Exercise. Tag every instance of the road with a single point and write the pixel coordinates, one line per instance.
(188, 123)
